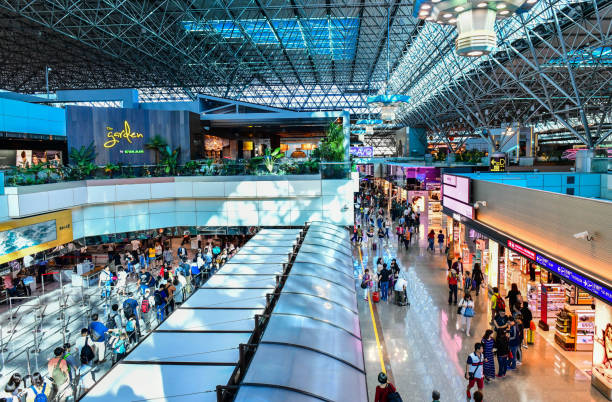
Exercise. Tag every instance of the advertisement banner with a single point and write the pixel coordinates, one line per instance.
(601, 376)
(362, 152)
(21, 237)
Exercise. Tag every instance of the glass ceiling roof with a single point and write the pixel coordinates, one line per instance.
(321, 36)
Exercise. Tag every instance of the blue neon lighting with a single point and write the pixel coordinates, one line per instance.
(368, 122)
(336, 37)
(388, 99)
(589, 285)
(588, 55)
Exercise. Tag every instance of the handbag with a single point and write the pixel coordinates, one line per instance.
(469, 312)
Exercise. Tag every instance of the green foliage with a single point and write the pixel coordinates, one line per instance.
(269, 159)
(158, 145)
(191, 168)
(440, 155)
(170, 159)
(111, 168)
(331, 148)
(82, 162)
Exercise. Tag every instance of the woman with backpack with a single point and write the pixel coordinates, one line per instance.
(146, 305)
(40, 391)
(366, 283)
(385, 391)
(466, 306)
(130, 328)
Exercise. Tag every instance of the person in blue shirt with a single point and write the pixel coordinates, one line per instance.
(98, 331)
(130, 307)
(145, 281)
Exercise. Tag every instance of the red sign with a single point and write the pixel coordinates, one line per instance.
(522, 250)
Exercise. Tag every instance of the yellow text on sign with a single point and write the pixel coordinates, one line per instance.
(116, 136)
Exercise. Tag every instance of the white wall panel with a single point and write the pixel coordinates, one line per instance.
(210, 205)
(275, 218)
(94, 227)
(32, 204)
(211, 219)
(299, 217)
(134, 192)
(162, 190)
(99, 212)
(183, 189)
(163, 220)
(61, 199)
(158, 207)
(12, 201)
(101, 194)
(270, 189)
(240, 189)
(138, 208)
(79, 195)
(185, 218)
(209, 189)
(185, 205)
(242, 218)
(305, 187)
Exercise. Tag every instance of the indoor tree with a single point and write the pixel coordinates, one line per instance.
(158, 145)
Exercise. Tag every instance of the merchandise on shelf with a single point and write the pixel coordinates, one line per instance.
(565, 329)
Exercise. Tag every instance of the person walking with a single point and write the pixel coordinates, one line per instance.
(488, 343)
(450, 254)
(431, 238)
(514, 296)
(40, 389)
(477, 278)
(383, 281)
(400, 235)
(452, 286)
(527, 317)
(503, 350)
(61, 373)
(474, 370)
(105, 280)
(97, 332)
(384, 389)
(441, 241)
(359, 234)
(467, 311)
(366, 283)
(513, 343)
(381, 237)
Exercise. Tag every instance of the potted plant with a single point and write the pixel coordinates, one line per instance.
(111, 168)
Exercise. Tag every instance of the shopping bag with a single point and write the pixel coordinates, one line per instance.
(375, 296)
(530, 336)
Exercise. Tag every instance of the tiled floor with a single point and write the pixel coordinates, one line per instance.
(424, 350)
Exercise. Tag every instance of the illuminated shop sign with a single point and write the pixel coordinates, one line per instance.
(498, 162)
(459, 207)
(589, 285)
(362, 152)
(116, 136)
(522, 250)
(456, 195)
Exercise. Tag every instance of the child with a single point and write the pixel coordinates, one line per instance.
(120, 347)
(467, 283)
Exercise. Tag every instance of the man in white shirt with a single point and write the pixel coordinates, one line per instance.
(474, 369)
(135, 245)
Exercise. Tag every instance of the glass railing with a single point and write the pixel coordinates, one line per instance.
(47, 173)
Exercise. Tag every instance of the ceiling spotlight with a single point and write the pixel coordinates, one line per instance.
(423, 14)
(501, 6)
(430, 18)
(475, 53)
(425, 6)
(452, 20)
(447, 15)
(459, 9)
(483, 4)
(505, 12)
(531, 1)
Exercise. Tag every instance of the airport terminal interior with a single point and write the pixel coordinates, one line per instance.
(306, 200)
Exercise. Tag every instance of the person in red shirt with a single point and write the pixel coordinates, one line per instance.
(384, 389)
(452, 286)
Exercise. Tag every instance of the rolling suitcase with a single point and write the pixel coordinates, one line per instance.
(529, 334)
(376, 296)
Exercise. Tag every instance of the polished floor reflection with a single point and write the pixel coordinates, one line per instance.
(423, 348)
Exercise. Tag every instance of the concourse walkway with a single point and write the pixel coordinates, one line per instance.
(422, 348)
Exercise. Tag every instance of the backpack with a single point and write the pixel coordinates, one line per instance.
(500, 304)
(59, 377)
(87, 353)
(40, 397)
(110, 322)
(468, 283)
(128, 311)
(129, 326)
(144, 306)
(158, 298)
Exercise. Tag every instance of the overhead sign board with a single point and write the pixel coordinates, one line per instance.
(362, 152)
(456, 195)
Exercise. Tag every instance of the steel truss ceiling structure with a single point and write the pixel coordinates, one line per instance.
(297, 54)
(553, 67)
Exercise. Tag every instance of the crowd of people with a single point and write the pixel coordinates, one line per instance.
(502, 345)
(139, 287)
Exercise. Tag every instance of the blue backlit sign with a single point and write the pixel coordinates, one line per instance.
(587, 284)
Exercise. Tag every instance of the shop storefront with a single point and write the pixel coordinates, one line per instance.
(570, 310)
